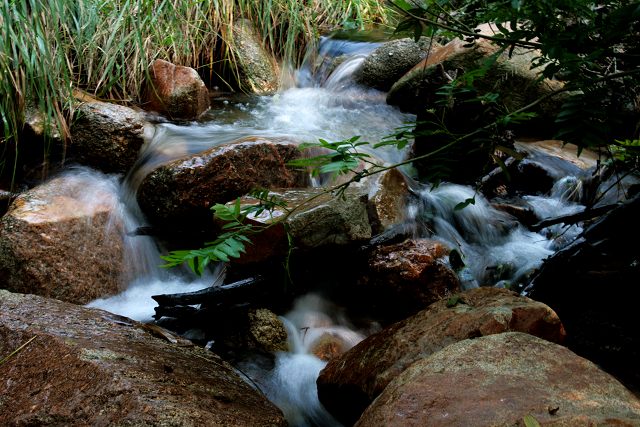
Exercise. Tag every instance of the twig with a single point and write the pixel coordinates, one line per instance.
(17, 350)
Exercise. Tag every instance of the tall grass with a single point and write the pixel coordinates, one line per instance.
(48, 48)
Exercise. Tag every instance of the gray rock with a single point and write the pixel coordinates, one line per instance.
(107, 136)
(258, 70)
(385, 65)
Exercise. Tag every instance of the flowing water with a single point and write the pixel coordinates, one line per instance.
(323, 102)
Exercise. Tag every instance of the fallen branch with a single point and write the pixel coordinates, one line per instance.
(574, 218)
(230, 293)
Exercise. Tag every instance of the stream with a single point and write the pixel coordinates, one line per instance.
(323, 102)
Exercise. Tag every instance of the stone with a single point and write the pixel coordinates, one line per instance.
(388, 197)
(410, 275)
(257, 68)
(107, 136)
(347, 385)
(501, 380)
(89, 367)
(385, 65)
(182, 191)
(267, 331)
(511, 76)
(62, 241)
(175, 91)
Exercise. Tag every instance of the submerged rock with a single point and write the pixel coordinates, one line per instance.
(410, 275)
(90, 367)
(59, 240)
(176, 91)
(182, 191)
(502, 380)
(390, 61)
(106, 136)
(350, 383)
(257, 68)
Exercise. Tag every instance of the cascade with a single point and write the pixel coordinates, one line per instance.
(325, 103)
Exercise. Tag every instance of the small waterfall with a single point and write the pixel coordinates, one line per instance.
(291, 382)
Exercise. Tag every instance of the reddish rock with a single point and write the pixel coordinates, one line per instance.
(59, 240)
(176, 91)
(89, 367)
(410, 275)
(499, 380)
(387, 199)
(106, 136)
(350, 383)
(185, 189)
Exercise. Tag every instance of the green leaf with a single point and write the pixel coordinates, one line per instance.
(467, 202)
(530, 421)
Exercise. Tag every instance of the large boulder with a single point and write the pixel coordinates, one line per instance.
(89, 367)
(106, 136)
(503, 380)
(511, 76)
(176, 91)
(348, 385)
(182, 191)
(258, 71)
(63, 240)
(385, 65)
(409, 276)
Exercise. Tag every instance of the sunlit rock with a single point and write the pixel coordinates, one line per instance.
(511, 76)
(409, 276)
(257, 68)
(60, 240)
(106, 136)
(350, 383)
(175, 91)
(385, 65)
(89, 367)
(503, 379)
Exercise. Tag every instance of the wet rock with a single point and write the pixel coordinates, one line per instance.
(601, 324)
(500, 380)
(350, 383)
(106, 136)
(385, 65)
(184, 190)
(267, 331)
(257, 68)
(59, 240)
(176, 91)
(388, 197)
(409, 276)
(89, 367)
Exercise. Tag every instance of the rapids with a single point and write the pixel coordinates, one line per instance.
(323, 102)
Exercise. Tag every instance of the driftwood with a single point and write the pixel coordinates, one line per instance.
(211, 300)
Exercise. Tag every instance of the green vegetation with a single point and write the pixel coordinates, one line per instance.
(49, 48)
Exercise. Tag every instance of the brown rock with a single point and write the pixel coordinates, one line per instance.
(60, 240)
(387, 199)
(89, 367)
(411, 274)
(499, 380)
(350, 383)
(176, 91)
(185, 189)
(106, 136)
